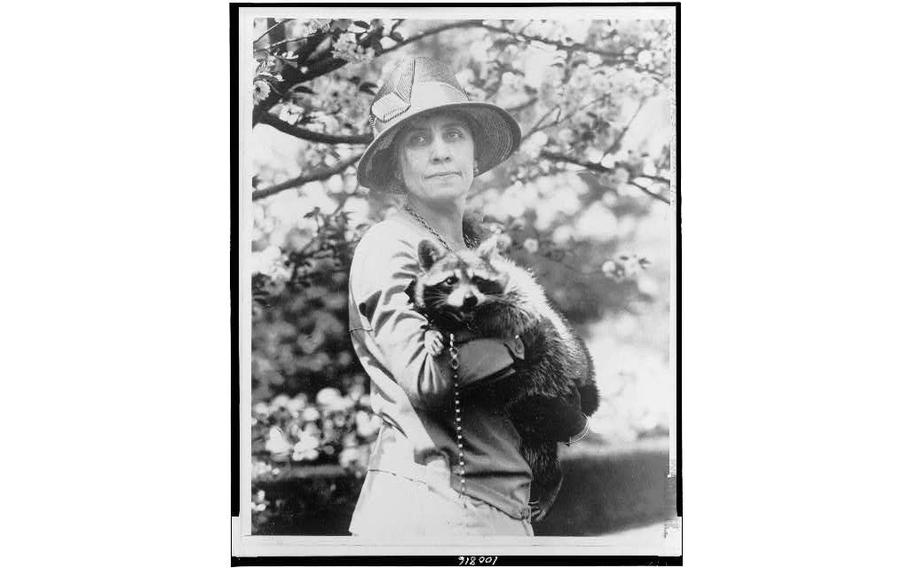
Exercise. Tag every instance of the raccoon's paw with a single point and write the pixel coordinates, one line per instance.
(432, 340)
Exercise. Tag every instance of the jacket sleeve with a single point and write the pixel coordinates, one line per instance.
(380, 275)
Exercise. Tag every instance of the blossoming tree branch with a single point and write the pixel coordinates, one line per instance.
(571, 88)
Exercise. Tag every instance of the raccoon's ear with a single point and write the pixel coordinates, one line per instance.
(486, 249)
(427, 254)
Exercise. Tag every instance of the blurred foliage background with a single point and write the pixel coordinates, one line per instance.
(587, 203)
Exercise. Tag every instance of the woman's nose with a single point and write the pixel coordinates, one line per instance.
(440, 150)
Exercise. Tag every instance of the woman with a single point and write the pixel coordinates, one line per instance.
(441, 465)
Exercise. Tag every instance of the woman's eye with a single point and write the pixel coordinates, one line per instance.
(416, 139)
(454, 134)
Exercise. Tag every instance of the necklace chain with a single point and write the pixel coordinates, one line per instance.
(419, 218)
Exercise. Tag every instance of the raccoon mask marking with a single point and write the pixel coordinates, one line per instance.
(454, 287)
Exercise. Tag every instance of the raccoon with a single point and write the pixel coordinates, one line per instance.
(488, 294)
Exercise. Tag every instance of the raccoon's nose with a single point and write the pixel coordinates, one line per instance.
(469, 302)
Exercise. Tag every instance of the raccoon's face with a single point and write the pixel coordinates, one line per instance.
(457, 285)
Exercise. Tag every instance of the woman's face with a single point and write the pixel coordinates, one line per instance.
(436, 158)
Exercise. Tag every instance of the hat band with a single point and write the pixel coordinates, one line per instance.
(424, 96)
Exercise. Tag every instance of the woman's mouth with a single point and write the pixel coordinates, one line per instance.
(443, 175)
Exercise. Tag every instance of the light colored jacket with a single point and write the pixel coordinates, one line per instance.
(411, 391)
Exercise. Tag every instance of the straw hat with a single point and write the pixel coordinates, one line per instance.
(419, 86)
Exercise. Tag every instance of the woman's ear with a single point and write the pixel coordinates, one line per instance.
(427, 254)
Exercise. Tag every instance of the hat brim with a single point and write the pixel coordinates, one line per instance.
(496, 136)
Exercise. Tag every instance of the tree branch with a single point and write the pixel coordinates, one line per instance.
(561, 117)
(656, 196)
(655, 178)
(272, 46)
(317, 175)
(266, 32)
(603, 169)
(537, 125)
(612, 56)
(618, 142)
(324, 65)
(330, 63)
(433, 31)
(521, 106)
(312, 136)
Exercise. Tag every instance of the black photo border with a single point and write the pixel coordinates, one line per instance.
(430, 560)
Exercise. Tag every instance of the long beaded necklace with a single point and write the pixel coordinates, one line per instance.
(453, 362)
(459, 438)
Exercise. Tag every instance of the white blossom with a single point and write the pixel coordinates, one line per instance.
(327, 396)
(261, 90)
(277, 444)
(306, 448)
(297, 404)
(534, 144)
(367, 424)
(310, 414)
(349, 457)
(347, 48)
(291, 113)
(562, 235)
(645, 57)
